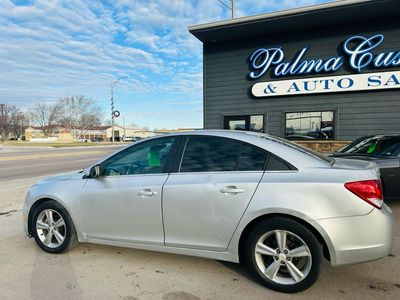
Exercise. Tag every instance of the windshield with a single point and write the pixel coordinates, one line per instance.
(375, 146)
(390, 151)
(366, 146)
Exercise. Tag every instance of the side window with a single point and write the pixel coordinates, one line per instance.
(145, 158)
(214, 154)
(209, 154)
(277, 164)
(252, 158)
(386, 143)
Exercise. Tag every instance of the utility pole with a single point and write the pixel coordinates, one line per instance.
(123, 118)
(2, 122)
(112, 107)
(232, 7)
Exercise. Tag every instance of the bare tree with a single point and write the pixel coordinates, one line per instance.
(17, 121)
(45, 116)
(77, 114)
(12, 121)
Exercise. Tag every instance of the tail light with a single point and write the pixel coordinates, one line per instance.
(368, 190)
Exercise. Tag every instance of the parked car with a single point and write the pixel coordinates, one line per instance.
(97, 139)
(384, 150)
(83, 140)
(116, 139)
(129, 139)
(228, 195)
(297, 137)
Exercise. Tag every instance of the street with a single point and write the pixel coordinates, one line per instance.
(27, 162)
(93, 271)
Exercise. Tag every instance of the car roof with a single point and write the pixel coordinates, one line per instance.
(380, 136)
(293, 153)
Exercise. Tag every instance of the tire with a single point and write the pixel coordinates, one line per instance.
(302, 252)
(57, 236)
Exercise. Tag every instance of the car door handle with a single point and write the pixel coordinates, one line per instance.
(231, 190)
(147, 193)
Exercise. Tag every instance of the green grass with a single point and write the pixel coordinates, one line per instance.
(55, 145)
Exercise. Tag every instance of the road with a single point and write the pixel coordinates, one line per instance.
(27, 162)
(103, 272)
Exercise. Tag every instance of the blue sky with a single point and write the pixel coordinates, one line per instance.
(51, 49)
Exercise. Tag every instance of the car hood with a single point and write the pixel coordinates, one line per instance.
(67, 176)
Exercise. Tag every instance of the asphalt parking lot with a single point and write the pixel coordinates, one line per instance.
(104, 272)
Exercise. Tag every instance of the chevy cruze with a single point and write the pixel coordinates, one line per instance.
(227, 195)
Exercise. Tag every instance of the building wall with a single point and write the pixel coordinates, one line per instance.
(227, 89)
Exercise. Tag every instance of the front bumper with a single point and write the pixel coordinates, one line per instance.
(360, 238)
(25, 213)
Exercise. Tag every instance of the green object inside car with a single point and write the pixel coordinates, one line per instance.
(154, 157)
(371, 148)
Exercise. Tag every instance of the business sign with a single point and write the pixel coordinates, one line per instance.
(357, 55)
(330, 84)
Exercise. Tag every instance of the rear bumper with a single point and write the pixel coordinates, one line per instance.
(360, 238)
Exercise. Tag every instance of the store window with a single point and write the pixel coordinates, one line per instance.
(318, 125)
(245, 122)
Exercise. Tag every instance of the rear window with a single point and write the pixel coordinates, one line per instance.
(277, 164)
(299, 148)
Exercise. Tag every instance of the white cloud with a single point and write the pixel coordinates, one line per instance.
(247, 7)
(49, 49)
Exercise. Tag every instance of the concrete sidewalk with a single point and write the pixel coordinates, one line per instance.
(103, 272)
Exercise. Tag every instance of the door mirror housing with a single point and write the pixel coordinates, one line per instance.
(95, 171)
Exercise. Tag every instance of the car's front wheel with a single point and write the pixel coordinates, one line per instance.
(52, 228)
(284, 255)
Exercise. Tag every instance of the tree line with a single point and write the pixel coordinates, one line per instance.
(74, 113)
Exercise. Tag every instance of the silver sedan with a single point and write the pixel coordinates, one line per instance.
(227, 195)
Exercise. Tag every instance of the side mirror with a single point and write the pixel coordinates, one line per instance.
(95, 171)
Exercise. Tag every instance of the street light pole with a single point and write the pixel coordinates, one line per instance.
(123, 118)
(2, 122)
(112, 107)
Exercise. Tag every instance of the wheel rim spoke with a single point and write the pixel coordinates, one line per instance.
(42, 225)
(59, 223)
(49, 237)
(265, 250)
(59, 237)
(301, 251)
(272, 270)
(295, 273)
(280, 236)
(49, 216)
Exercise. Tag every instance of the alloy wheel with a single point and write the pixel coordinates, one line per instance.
(283, 257)
(51, 228)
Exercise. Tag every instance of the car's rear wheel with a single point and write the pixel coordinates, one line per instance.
(52, 228)
(284, 255)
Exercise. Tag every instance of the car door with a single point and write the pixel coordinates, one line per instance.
(209, 190)
(124, 203)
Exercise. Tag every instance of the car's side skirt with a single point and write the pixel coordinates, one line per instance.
(226, 256)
